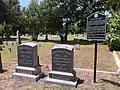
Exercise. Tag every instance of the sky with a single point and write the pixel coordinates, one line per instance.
(25, 2)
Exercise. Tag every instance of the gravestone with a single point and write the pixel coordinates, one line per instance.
(18, 41)
(9, 49)
(62, 65)
(1, 69)
(12, 43)
(28, 64)
(77, 43)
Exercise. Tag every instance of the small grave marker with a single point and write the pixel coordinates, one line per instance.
(18, 41)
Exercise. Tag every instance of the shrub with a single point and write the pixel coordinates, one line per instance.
(113, 42)
(113, 35)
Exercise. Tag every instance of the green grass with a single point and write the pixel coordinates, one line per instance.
(9, 55)
(44, 49)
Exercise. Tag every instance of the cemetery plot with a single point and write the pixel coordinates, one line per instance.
(82, 59)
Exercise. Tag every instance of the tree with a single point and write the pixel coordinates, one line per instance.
(112, 4)
(50, 19)
(70, 12)
(33, 17)
(15, 13)
(113, 35)
(4, 16)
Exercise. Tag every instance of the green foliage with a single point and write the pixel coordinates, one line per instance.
(113, 36)
(33, 19)
(112, 4)
(48, 16)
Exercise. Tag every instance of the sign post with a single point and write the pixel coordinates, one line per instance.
(96, 31)
(1, 69)
(95, 61)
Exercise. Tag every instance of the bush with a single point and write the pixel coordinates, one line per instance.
(113, 35)
(113, 42)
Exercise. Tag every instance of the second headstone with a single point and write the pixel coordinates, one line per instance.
(62, 65)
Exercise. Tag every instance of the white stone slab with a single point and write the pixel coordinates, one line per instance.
(63, 46)
(26, 68)
(56, 81)
(26, 76)
(29, 44)
(62, 73)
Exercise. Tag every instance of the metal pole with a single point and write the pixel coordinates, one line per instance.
(1, 69)
(95, 61)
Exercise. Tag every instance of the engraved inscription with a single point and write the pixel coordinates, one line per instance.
(62, 77)
(96, 27)
(24, 71)
(25, 56)
(62, 60)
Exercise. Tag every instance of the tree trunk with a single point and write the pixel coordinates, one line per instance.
(66, 31)
(61, 38)
(46, 36)
(34, 37)
(2, 36)
(1, 41)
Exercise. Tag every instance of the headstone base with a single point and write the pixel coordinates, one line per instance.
(27, 73)
(62, 78)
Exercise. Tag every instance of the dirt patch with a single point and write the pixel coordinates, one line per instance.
(84, 58)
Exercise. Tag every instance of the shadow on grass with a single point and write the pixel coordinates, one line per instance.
(14, 39)
(112, 82)
(70, 42)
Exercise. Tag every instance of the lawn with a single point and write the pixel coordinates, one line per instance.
(83, 58)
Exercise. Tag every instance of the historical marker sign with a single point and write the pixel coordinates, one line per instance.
(96, 27)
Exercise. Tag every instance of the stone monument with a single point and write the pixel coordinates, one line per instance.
(62, 66)
(28, 64)
(18, 41)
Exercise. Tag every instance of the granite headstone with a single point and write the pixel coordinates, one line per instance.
(62, 65)
(28, 65)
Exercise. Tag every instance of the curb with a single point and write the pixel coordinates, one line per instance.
(116, 59)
